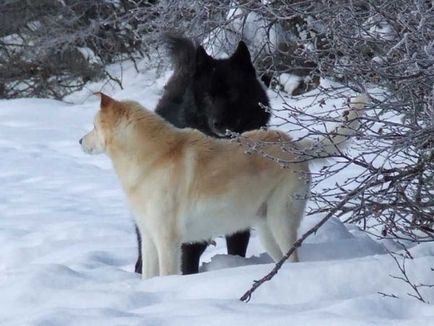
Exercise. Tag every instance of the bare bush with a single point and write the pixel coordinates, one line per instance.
(50, 48)
(387, 45)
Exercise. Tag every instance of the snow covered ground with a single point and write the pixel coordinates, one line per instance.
(67, 245)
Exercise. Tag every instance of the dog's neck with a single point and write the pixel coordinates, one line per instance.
(137, 147)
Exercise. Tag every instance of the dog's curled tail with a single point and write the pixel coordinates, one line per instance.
(181, 50)
(336, 140)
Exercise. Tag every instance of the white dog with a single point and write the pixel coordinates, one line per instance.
(183, 186)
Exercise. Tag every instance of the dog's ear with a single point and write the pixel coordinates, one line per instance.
(241, 57)
(203, 60)
(106, 101)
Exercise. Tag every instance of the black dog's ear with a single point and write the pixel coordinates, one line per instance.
(241, 57)
(203, 60)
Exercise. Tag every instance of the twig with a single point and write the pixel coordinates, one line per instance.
(405, 278)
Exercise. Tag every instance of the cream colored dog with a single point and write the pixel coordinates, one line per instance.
(183, 186)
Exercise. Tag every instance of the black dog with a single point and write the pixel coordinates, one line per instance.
(213, 96)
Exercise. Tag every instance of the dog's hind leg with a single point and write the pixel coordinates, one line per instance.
(268, 241)
(284, 215)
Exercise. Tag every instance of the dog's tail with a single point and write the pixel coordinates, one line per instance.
(335, 141)
(182, 52)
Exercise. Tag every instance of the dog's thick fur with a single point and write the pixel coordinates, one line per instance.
(185, 186)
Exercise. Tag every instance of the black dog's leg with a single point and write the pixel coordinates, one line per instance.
(191, 253)
(138, 268)
(237, 243)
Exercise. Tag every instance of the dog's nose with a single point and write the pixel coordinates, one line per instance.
(80, 141)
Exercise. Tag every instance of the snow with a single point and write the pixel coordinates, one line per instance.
(68, 244)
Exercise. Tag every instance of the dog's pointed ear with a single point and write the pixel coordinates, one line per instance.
(106, 101)
(203, 60)
(241, 57)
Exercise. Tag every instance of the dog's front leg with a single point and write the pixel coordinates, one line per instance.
(149, 255)
(169, 253)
